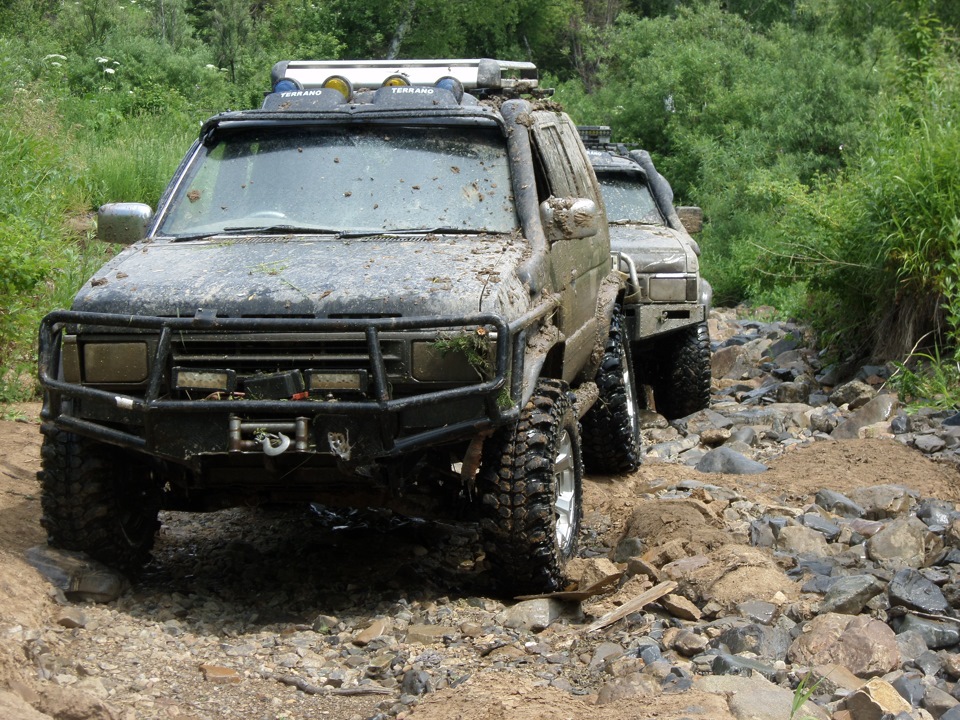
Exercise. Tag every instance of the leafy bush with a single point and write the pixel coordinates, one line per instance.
(881, 248)
(729, 111)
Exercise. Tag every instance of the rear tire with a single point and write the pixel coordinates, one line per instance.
(530, 493)
(98, 499)
(681, 383)
(611, 429)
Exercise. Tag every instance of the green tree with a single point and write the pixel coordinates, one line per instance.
(231, 30)
(171, 20)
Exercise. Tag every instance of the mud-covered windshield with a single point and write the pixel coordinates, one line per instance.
(349, 180)
(628, 199)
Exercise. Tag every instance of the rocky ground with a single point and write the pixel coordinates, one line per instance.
(802, 532)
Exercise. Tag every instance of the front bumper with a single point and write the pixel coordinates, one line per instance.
(356, 429)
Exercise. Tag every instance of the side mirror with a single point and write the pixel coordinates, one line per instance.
(123, 223)
(692, 218)
(569, 218)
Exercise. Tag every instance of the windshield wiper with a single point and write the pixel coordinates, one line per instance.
(443, 230)
(259, 229)
(279, 229)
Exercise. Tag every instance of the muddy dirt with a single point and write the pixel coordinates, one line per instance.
(224, 578)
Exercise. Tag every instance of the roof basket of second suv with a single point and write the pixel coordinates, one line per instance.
(594, 135)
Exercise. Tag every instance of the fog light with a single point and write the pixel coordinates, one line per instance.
(212, 380)
(333, 381)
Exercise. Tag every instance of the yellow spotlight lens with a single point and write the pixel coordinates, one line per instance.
(396, 81)
(340, 84)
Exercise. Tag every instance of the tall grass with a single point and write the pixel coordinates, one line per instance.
(45, 233)
(137, 164)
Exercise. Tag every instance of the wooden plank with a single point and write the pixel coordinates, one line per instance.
(632, 606)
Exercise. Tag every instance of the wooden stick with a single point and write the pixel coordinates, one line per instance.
(644, 598)
(304, 686)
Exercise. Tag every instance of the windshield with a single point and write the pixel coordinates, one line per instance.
(628, 199)
(357, 179)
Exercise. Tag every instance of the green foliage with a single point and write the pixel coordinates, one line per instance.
(882, 240)
(801, 695)
(473, 344)
(928, 380)
(231, 31)
(730, 113)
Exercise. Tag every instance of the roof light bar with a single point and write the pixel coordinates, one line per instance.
(594, 134)
(482, 73)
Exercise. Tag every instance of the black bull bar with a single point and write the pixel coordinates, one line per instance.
(508, 367)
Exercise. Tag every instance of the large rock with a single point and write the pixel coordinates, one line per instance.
(911, 589)
(901, 543)
(801, 540)
(883, 501)
(935, 633)
(79, 576)
(756, 698)
(865, 646)
(853, 394)
(729, 462)
(880, 409)
(838, 504)
(848, 595)
(535, 614)
(874, 700)
(735, 574)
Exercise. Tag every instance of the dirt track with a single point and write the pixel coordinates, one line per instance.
(239, 577)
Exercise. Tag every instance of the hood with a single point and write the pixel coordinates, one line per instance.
(655, 248)
(312, 276)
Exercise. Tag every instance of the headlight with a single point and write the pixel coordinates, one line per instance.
(457, 358)
(673, 288)
(106, 363)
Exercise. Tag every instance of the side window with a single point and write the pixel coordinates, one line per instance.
(567, 172)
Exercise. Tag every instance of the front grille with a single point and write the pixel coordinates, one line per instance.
(251, 353)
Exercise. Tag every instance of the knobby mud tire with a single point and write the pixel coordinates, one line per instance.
(98, 499)
(529, 486)
(682, 384)
(611, 429)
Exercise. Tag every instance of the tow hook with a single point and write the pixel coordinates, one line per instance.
(272, 437)
(267, 441)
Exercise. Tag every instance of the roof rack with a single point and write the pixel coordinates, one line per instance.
(481, 73)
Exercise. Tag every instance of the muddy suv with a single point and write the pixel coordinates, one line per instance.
(390, 286)
(668, 301)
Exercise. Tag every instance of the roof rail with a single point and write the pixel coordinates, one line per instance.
(480, 73)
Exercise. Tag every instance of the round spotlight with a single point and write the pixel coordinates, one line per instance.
(287, 85)
(340, 84)
(450, 83)
(396, 81)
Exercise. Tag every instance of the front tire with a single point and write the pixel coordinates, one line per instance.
(530, 493)
(98, 499)
(681, 384)
(611, 429)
